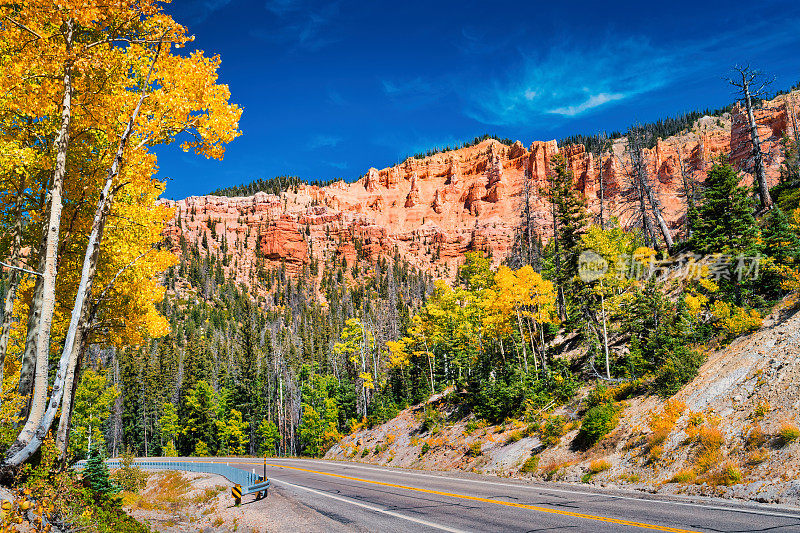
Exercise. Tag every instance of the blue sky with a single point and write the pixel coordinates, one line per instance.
(332, 88)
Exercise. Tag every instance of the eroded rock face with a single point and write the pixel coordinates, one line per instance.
(467, 199)
(412, 199)
(372, 180)
(438, 203)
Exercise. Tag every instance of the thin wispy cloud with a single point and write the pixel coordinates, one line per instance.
(336, 98)
(412, 93)
(570, 80)
(341, 165)
(323, 141)
(199, 11)
(477, 41)
(596, 100)
(302, 23)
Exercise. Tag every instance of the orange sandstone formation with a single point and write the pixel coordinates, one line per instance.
(431, 211)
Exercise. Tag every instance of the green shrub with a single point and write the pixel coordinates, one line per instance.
(425, 448)
(128, 477)
(531, 464)
(474, 425)
(730, 475)
(475, 449)
(553, 429)
(599, 395)
(677, 369)
(431, 420)
(598, 422)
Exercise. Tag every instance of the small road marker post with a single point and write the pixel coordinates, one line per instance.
(236, 492)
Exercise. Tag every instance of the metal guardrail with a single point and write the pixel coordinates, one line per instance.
(254, 484)
(237, 476)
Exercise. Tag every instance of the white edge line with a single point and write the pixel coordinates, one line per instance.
(372, 508)
(547, 489)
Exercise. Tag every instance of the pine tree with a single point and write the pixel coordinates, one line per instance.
(724, 222)
(780, 241)
(569, 223)
(96, 474)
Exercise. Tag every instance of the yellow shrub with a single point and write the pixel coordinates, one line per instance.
(755, 437)
(684, 476)
(655, 453)
(734, 320)
(761, 410)
(662, 423)
(709, 453)
(757, 456)
(789, 432)
(600, 465)
(728, 474)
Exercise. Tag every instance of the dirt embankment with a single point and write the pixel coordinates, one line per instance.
(175, 502)
(731, 432)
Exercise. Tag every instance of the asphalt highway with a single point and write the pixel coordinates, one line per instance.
(370, 498)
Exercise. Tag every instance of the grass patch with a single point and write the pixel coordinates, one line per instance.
(728, 475)
(600, 465)
(684, 476)
(515, 436)
(789, 432)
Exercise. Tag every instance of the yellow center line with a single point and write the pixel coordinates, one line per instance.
(537, 508)
(500, 502)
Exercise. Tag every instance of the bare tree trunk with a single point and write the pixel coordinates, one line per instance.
(656, 208)
(763, 188)
(42, 331)
(26, 445)
(527, 212)
(605, 331)
(15, 277)
(648, 232)
(28, 364)
(688, 192)
(533, 346)
(641, 173)
(602, 190)
(522, 334)
(562, 306)
(744, 83)
(70, 384)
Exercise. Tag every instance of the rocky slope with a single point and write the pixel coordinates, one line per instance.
(431, 211)
(726, 433)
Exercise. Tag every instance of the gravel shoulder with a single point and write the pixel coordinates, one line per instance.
(175, 502)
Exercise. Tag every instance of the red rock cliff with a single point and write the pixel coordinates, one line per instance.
(431, 211)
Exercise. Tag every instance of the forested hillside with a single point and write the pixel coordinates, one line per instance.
(238, 376)
(340, 344)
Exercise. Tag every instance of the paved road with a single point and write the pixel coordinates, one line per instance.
(370, 498)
